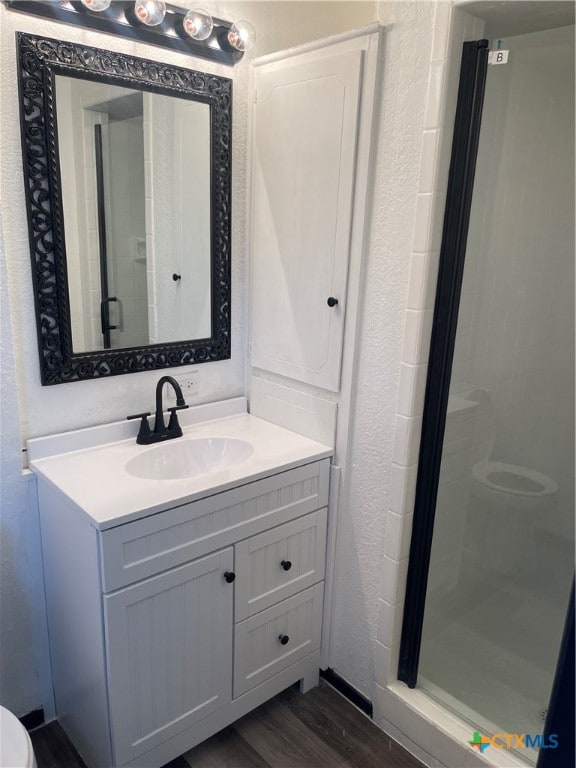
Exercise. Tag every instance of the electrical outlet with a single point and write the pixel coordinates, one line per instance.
(189, 384)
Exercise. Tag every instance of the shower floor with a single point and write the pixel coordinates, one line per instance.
(494, 664)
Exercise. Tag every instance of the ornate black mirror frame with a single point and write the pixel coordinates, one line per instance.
(40, 60)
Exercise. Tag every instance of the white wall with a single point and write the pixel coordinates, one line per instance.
(44, 410)
(25, 675)
(282, 24)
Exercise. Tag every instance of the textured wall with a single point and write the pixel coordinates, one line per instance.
(282, 24)
(407, 43)
(44, 410)
(25, 678)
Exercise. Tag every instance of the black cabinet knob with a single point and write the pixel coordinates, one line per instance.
(176, 277)
(331, 301)
(286, 564)
(229, 576)
(283, 639)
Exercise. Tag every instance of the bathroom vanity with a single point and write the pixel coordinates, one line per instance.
(179, 597)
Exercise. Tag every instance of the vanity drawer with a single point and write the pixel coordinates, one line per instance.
(156, 543)
(259, 652)
(279, 563)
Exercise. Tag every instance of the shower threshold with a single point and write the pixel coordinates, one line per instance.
(432, 731)
(478, 722)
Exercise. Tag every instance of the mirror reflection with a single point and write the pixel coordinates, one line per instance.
(135, 176)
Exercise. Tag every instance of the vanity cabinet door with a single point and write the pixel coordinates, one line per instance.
(169, 653)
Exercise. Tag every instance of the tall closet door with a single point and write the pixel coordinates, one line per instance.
(305, 126)
(169, 649)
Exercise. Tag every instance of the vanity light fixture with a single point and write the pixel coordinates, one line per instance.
(198, 24)
(151, 21)
(242, 35)
(97, 5)
(150, 12)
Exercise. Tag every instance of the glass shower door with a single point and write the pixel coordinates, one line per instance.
(502, 554)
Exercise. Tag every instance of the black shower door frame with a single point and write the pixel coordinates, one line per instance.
(473, 71)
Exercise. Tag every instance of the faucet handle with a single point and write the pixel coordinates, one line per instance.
(173, 426)
(144, 430)
(139, 416)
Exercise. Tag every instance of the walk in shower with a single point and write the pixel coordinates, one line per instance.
(502, 554)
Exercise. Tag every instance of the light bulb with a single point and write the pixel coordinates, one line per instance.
(242, 35)
(150, 12)
(97, 5)
(198, 24)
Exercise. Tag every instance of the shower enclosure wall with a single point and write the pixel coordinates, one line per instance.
(502, 556)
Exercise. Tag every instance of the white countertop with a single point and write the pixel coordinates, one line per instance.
(96, 480)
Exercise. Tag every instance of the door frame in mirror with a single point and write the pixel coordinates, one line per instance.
(40, 60)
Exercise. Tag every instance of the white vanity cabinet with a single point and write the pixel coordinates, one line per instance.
(165, 629)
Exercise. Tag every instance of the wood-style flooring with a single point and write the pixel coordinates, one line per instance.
(318, 730)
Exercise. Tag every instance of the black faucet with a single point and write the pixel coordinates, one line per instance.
(161, 431)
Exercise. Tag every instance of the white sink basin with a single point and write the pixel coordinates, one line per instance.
(182, 458)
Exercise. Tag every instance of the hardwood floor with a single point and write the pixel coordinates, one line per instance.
(318, 730)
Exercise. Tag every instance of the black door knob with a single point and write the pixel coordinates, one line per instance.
(229, 576)
(331, 301)
(286, 564)
(283, 639)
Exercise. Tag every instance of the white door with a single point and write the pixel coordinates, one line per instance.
(169, 653)
(178, 218)
(305, 126)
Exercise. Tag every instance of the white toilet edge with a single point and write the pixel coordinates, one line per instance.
(16, 750)
(483, 469)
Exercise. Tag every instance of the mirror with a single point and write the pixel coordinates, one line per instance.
(135, 173)
(127, 164)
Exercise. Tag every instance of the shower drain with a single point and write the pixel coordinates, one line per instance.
(543, 714)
